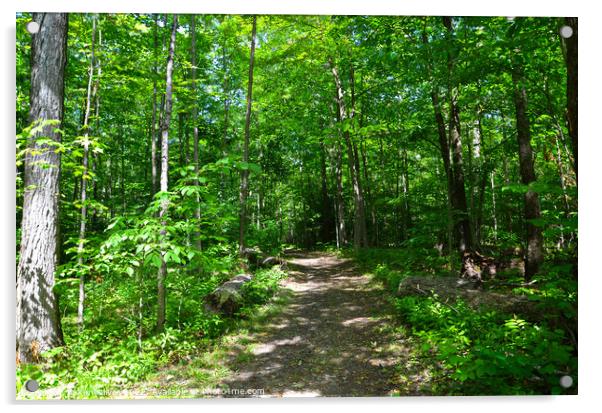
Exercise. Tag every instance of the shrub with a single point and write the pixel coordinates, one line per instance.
(487, 352)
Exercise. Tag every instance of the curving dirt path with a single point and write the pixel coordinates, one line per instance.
(330, 340)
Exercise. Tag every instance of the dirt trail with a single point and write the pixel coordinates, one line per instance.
(330, 340)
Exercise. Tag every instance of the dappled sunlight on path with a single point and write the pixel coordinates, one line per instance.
(328, 341)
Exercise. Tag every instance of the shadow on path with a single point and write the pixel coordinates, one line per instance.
(328, 341)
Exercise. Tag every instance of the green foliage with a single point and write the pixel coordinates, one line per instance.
(393, 265)
(389, 66)
(262, 287)
(107, 355)
(487, 352)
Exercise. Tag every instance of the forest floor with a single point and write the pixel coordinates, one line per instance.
(330, 333)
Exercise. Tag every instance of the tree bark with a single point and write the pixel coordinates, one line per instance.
(154, 116)
(96, 157)
(327, 219)
(461, 217)
(37, 317)
(443, 148)
(226, 117)
(359, 221)
(479, 179)
(195, 128)
(571, 83)
(84, 184)
(405, 187)
(534, 256)
(244, 173)
(165, 173)
(340, 203)
(493, 206)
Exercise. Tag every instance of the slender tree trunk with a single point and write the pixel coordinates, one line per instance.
(122, 169)
(165, 173)
(96, 157)
(360, 217)
(493, 206)
(479, 175)
(195, 128)
(340, 204)
(369, 196)
(534, 256)
(461, 217)
(562, 178)
(226, 116)
(507, 204)
(181, 139)
(327, 218)
(359, 222)
(84, 208)
(109, 198)
(444, 150)
(244, 174)
(154, 116)
(557, 139)
(405, 187)
(38, 322)
(571, 83)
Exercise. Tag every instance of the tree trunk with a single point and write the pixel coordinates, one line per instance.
(326, 224)
(444, 150)
(165, 173)
(571, 84)
(534, 256)
(84, 210)
(493, 206)
(507, 202)
(37, 317)
(226, 117)
(181, 139)
(154, 116)
(122, 168)
(96, 157)
(244, 174)
(359, 221)
(340, 204)
(461, 217)
(405, 187)
(195, 128)
(479, 179)
(369, 204)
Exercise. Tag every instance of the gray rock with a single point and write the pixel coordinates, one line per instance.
(271, 261)
(228, 297)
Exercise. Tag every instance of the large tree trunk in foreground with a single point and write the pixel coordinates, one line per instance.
(534, 256)
(244, 174)
(165, 173)
(37, 315)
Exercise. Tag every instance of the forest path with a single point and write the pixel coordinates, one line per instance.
(329, 332)
(333, 338)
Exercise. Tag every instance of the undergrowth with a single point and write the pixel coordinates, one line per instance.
(480, 351)
(108, 356)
